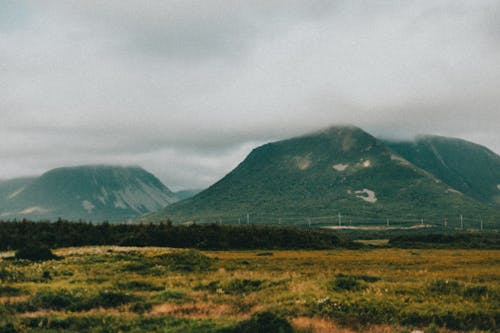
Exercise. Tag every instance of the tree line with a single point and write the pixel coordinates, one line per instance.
(18, 234)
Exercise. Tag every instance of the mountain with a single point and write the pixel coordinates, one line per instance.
(86, 192)
(11, 187)
(468, 167)
(185, 194)
(339, 170)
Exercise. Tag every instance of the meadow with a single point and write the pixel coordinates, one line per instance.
(158, 289)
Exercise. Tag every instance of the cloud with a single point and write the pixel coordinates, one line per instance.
(187, 88)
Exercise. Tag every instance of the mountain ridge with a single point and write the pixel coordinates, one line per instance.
(89, 192)
(340, 169)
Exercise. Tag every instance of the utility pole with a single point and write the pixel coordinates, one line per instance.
(481, 224)
(248, 218)
(309, 222)
(387, 222)
(461, 222)
(445, 222)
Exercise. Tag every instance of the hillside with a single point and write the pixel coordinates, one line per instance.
(11, 187)
(468, 167)
(339, 170)
(86, 192)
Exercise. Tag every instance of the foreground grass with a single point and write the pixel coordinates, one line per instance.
(111, 289)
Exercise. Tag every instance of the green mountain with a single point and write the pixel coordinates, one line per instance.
(87, 192)
(186, 194)
(467, 167)
(315, 177)
(11, 187)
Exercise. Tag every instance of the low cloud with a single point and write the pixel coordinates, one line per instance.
(187, 88)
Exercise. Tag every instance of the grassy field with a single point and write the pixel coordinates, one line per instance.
(128, 289)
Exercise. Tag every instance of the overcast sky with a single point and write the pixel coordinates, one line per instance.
(187, 88)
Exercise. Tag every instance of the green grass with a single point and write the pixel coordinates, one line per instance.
(112, 289)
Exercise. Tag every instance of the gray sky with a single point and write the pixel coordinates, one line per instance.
(187, 88)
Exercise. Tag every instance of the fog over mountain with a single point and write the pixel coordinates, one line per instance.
(187, 89)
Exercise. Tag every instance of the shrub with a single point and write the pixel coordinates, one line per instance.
(138, 286)
(8, 328)
(141, 307)
(475, 291)
(142, 266)
(55, 300)
(35, 253)
(185, 260)
(9, 291)
(169, 295)
(444, 287)
(111, 299)
(75, 300)
(264, 322)
(242, 286)
(5, 275)
(344, 283)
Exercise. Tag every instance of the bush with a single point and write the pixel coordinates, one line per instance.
(111, 299)
(185, 260)
(9, 291)
(242, 286)
(263, 322)
(169, 295)
(142, 266)
(138, 286)
(444, 287)
(475, 291)
(75, 300)
(344, 283)
(9, 328)
(35, 253)
(54, 300)
(141, 307)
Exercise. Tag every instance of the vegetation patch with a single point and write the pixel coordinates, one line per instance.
(185, 261)
(233, 287)
(74, 300)
(35, 253)
(10, 291)
(141, 307)
(263, 322)
(170, 296)
(136, 285)
(242, 286)
(106, 323)
(343, 282)
(446, 287)
(264, 254)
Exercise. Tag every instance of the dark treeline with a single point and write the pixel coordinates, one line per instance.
(472, 240)
(16, 235)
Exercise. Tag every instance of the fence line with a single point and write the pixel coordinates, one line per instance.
(354, 220)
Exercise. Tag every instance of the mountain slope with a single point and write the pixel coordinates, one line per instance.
(469, 168)
(12, 187)
(339, 170)
(89, 193)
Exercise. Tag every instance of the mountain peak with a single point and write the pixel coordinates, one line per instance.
(90, 192)
(340, 169)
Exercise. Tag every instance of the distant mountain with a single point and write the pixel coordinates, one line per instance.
(87, 192)
(11, 187)
(185, 194)
(467, 167)
(339, 170)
